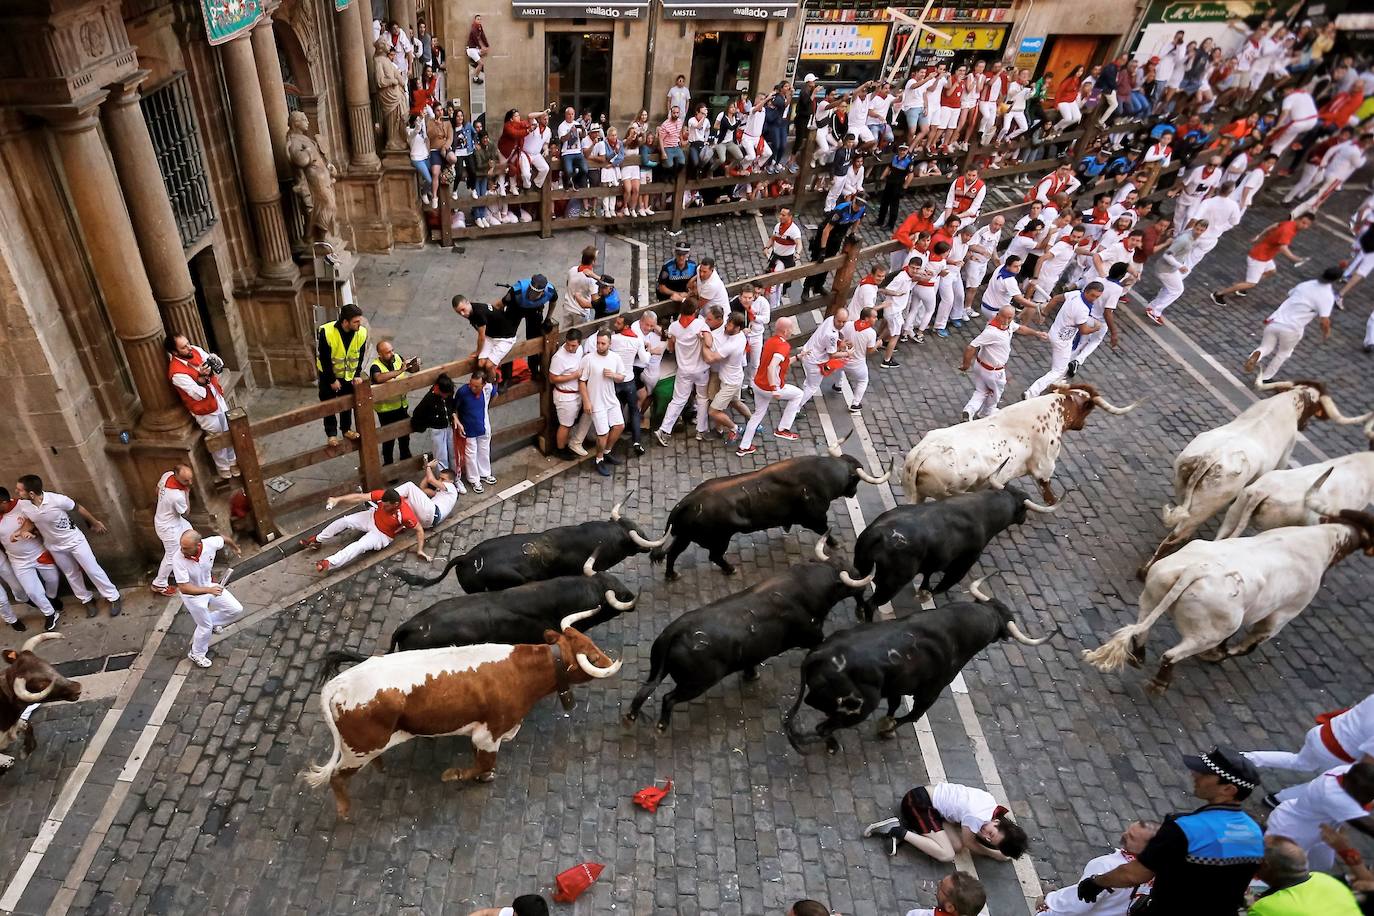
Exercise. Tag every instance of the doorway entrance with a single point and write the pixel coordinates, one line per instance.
(578, 70)
(1068, 51)
(724, 64)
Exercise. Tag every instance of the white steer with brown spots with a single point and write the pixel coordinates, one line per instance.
(482, 691)
(1024, 438)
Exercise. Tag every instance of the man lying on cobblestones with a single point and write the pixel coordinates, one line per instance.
(432, 499)
(1065, 902)
(209, 603)
(945, 819)
(392, 517)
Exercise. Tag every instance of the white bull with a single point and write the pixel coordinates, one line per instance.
(1218, 464)
(1281, 498)
(1213, 588)
(1024, 438)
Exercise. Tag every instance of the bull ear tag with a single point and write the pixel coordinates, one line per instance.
(560, 674)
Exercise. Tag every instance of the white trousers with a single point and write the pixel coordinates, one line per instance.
(1061, 351)
(1013, 117)
(214, 423)
(1069, 114)
(210, 611)
(1170, 288)
(856, 370)
(988, 385)
(1312, 204)
(918, 318)
(1369, 330)
(7, 573)
(791, 397)
(683, 387)
(1312, 758)
(1185, 206)
(951, 305)
(988, 112)
(36, 584)
(372, 538)
(753, 349)
(812, 384)
(1308, 179)
(1275, 347)
(538, 164)
(171, 546)
(477, 451)
(80, 560)
(419, 501)
(1306, 833)
(1088, 343)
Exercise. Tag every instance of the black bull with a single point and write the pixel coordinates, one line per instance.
(797, 491)
(918, 656)
(704, 646)
(515, 559)
(946, 536)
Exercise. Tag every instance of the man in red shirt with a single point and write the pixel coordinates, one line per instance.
(392, 517)
(921, 220)
(1259, 262)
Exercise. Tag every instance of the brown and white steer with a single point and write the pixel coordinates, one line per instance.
(1213, 588)
(27, 680)
(1218, 464)
(481, 691)
(1023, 438)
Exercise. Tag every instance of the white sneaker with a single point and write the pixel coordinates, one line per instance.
(577, 449)
(648, 212)
(454, 194)
(477, 487)
(511, 218)
(481, 222)
(424, 199)
(461, 221)
(524, 216)
(200, 660)
(458, 485)
(490, 478)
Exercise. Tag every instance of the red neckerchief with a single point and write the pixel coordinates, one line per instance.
(862, 325)
(199, 550)
(174, 484)
(629, 332)
(869, 280)
(686, 320)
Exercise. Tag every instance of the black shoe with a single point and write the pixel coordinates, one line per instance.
(889, 364)
(116, 607)
(50, 623)
(1072, 370)
(611, 459)
(639, 449)
(19, 625)
(91, 609)
(1369, 348)
(834, 387)
(1271, 801)
(1218, 298)
(56, 603)
(895, 834)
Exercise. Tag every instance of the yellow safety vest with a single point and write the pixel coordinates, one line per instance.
(396, 403)
(346, 362)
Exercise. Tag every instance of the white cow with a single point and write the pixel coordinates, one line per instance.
(1284, 497)
(1213, 588)
(1218, 464)
(1024, 438)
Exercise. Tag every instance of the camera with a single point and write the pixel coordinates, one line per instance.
(214, 363)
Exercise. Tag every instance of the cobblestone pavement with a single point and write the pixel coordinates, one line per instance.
(218, 820)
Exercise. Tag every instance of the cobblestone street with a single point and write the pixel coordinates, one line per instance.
(211, 814)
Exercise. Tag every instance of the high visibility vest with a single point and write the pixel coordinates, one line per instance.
(399, 402)
(347, 362)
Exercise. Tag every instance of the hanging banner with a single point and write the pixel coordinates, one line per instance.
(341, 5)
(844, 42)
(226, 20)
(965, 38)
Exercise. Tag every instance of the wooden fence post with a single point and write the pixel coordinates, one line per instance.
(254, 487)
(679, 189)
(547, 441)
(803, 150)
(445, 214)
(844, 277)
(546, 208)
(369, 445)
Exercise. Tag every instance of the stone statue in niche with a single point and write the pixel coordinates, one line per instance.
(391, 97)
(314, 181)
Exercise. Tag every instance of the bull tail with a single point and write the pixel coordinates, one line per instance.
(911, 479)
(794, 736)
(1240, 513)
(864, 547)
(1116, 652)
(1174, 516)
(416, 579)
(658, 554)
(320, 774)
(336, 659)
(658, 669)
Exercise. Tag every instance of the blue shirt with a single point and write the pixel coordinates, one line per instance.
(520, 291)
(610, 303)
(674, 277)
(846, 214)
(472, 409)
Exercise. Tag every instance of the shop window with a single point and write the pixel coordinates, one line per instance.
(578, 69)
(724, 64)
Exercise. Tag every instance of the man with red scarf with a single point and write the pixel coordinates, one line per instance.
(964, 200)
(193, 373)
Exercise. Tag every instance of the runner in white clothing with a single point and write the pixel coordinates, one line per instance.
(28, 569)
(862, 338)
(1341, 736)
(955, 895)
(1339, 163)
(1220, 212)
(1074, 319)
(1340, 795)
(1297, 115)
(684, 339)
(1103, 311)
(1248, 187)
(1197, 184)
(824, 344)
(169, 520)
(896, 297)
(987, 356)
(47, 516)
(432, 499)
(209, 603)
(1284, 327)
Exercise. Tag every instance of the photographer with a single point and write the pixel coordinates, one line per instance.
(388, 366)
(192, 372)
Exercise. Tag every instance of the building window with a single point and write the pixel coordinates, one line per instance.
(172, 126)
(724, 65)
(578, 68)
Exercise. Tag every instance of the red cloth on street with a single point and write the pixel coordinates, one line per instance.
(575, 881)
(649, 797)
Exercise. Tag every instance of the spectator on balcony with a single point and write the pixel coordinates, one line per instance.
(678, 94)
(488, 174)
(570, 136)
(477, 50)
(440, 136)
(424, 46)
(461, 148)
(699, 149)
(630, 172)
(441, 69)
(775, 124)
(399, 47)
(419, 155)
(339, 350)
(390, 367)
(670, 141)
(194, 373)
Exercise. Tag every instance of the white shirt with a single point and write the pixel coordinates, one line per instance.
(1017, 94)
(986, 239)
(823, 342)
(1221, 214)
(1065, 902)
(679, 96)
(1353, 729)
(187, 383)
(1343, 160)
(994, 348)
(732, 349)
(1246, 189)
(1053, 262)
(1321, 801)
(762, 311)
(1111, 296)
(1170, 56)
(23, 553)
(537, 139)
(952, 195)
(1072, 313)
(964, 804)
(712, 292)
(187, 571)
(630, 348)
(858, 111)
(419, 143)
(860, 342)
(1297, 107)
(958, 250)
(601, 390)
(999, 291)
(879, 106)
(933, 90)
(1309, 299)
(562, 363)
(653, 340)
(1199, 182)
(1020, 246)
(687, 346)
(698, 129)
(172, 506)
(899, 290)
(913, 94)
(447, 497)
(792, 236)
(570, 137)
(52, 521)
(850, 181)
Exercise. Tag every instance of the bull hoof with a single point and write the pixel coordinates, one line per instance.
(752, 674)
(924, 595)
(343, 812)
(672, 575)
(832, 746)
(1136, 658)
(488, 776)
(628, 719)
(1142, 572)
(1213, 655)
(887, 728)
(726, 569)
(1156, 687)
(661, 726)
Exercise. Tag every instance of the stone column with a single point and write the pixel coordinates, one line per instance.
(273, 90)
(403, 11)
(113, 249)
(253, 141)
(354, 56)
(150, 212)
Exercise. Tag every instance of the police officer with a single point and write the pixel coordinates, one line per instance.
(830, 236)
(389, 367)
(339, 349)
(534, 300)
(673, 278)
(1202, 862)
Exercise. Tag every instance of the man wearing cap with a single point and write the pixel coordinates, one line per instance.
(677, 273)
(607, 298)
(1201, 862)
(830, 236)
(339, 350)
(534, 301)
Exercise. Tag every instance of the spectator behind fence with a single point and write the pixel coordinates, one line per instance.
(340, 348)
(389, 366)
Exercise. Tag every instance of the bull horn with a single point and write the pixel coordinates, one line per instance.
(21, 690)
(616, 603)
(1025, 640)
(820, 548)
(592, 671)
(1111, 408)
(1333, 413)
(851, 582)
(1034, 506)
(620, 504)
(33, 642)
(571, 619)
(1308, 499)
(1272, 386)
(869, 478)
(976, 588)
(589, 567)
(836, 450)
(641, 541)
(991, 477)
